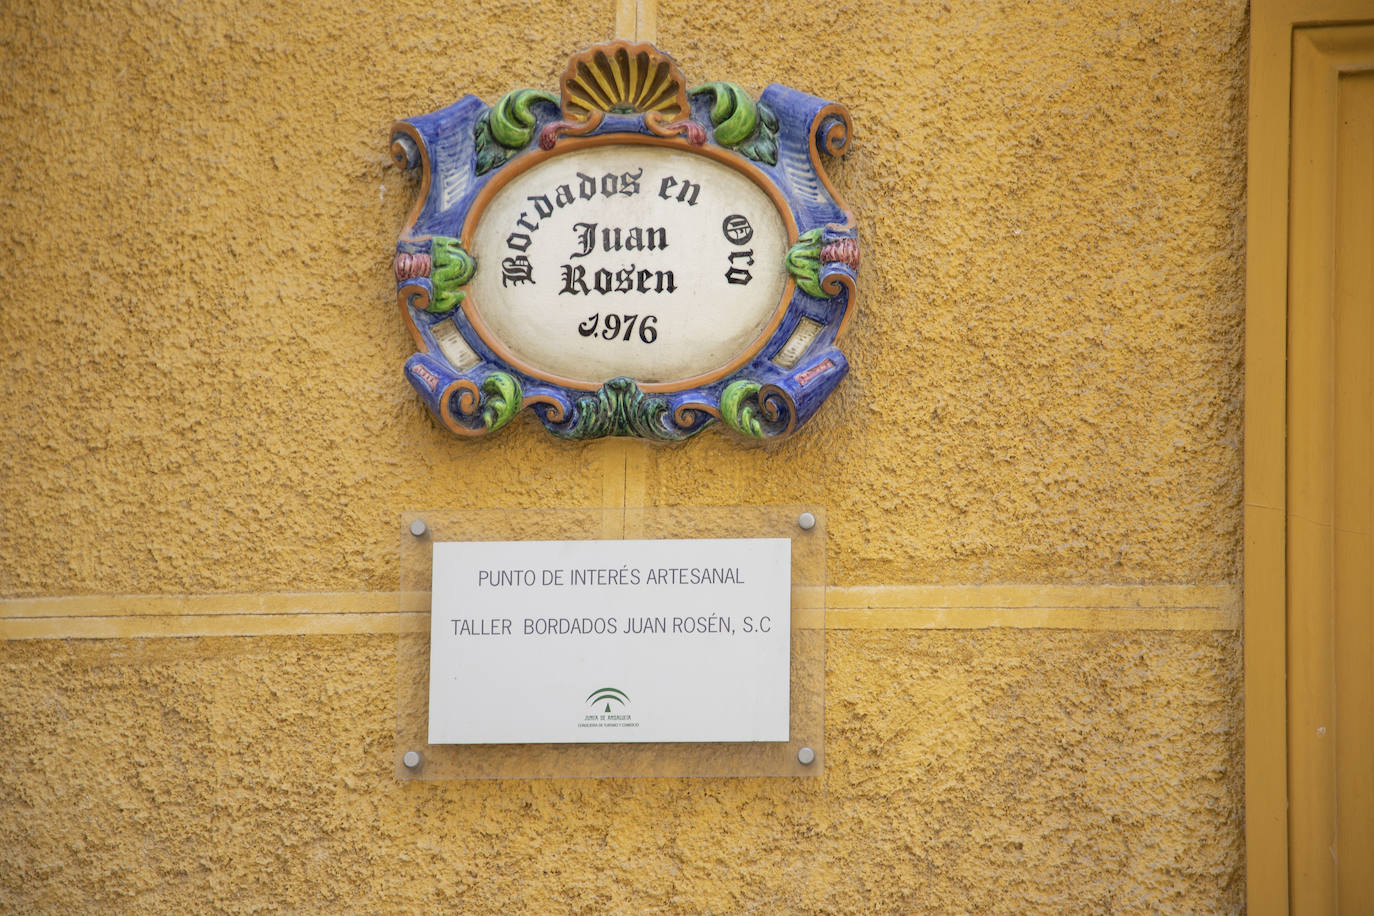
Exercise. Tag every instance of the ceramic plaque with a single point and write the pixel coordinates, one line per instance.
(628, 258)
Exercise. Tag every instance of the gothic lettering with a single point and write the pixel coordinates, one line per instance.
(628, 279)
(574, 280)
(616, 238)
(516, 270)
(688, 193)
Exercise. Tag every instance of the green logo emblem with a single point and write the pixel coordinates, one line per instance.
(607, 695)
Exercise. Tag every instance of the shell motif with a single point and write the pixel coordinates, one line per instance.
(623, 78)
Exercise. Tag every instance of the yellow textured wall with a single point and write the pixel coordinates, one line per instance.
(203, 394)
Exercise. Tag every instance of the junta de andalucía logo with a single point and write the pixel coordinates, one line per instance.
(608, 695)
(608, 708)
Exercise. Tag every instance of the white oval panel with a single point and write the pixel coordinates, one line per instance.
(627, 260)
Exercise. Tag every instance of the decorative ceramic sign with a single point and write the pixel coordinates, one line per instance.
(629, 259)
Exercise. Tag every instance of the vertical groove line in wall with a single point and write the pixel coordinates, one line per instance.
(625, 18)
(646, 20)
(637, 20)
(623, 464)
(614, 459)
(636, 460)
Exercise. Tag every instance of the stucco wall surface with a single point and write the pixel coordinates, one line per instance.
(203, 351)
(202, 343)
(254, 775)
(202, 393)
(1046, 380)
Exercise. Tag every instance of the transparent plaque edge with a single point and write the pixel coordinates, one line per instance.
(803, 756)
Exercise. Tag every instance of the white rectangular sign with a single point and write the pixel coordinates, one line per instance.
(609, 641)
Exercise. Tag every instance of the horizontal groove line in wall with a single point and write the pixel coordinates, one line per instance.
(1095, 607)
(196, 605)
(142, 626)
(1064, 618)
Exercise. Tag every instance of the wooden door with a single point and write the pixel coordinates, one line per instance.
(1309, 600)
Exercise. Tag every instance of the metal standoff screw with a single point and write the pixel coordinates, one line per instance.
(418, 529)
(412, 759)
(806, 521)
(806, 756)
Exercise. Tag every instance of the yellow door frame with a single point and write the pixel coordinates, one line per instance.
(1297, 523)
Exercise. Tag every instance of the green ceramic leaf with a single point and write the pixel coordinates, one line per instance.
(804, 263)
(452, 268)
(741, 124)
(621, 408)
(503, 399)
(506, 127)
(737, 411)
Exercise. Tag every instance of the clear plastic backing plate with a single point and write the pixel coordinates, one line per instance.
(801, 756)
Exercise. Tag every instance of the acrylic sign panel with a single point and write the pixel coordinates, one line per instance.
(610, 641)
